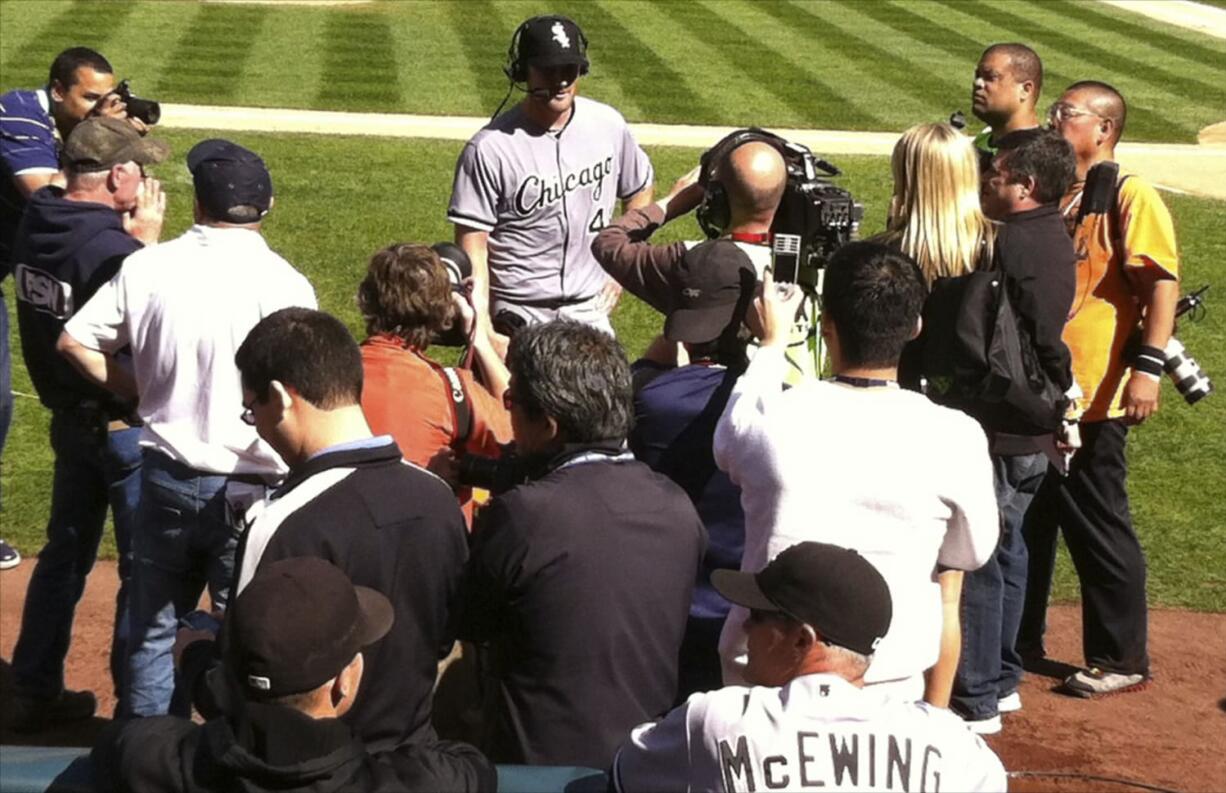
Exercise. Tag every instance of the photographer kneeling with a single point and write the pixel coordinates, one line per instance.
(581, 576)
(433, 412)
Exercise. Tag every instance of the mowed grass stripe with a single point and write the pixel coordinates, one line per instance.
(637, 81)
(1039, 35)
(359, 69)
(816, 21)
(81, 24)
(483, 37)
(1143, 123)
(761, 68)
(1201, 56)
(209, 58)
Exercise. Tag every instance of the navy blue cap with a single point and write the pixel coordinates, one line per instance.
(227, 176)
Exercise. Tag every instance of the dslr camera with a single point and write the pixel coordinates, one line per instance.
(1189, 379)
(146, 110)
(459, 267)
(495, 474)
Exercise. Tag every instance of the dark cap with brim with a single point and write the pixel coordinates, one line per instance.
(299, 623)
(834, 590)
(552, 41)
(101, 143)
(227, 176)
(711, 289)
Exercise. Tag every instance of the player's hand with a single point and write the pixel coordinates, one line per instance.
(1140, 399)
(609, 296)
(774, 310)
(144, 221)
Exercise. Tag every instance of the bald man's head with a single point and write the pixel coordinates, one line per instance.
(754, 175)
(1102, 99)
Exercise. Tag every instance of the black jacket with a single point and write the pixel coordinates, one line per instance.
(64, 251)
(1034, 248)
(274, 748)
(395, 528)
(581, 580)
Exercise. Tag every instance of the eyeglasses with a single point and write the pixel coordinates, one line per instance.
(248, 414)
(1061, 112)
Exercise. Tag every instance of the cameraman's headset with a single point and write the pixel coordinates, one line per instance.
(517, 71)
(713, 213)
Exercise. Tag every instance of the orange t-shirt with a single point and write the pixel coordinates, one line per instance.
(404, 396)
(1105, 310)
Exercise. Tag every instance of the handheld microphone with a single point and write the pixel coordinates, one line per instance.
(785, 258)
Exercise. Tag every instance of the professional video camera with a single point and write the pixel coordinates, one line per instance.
(815, 216)
(146, 110)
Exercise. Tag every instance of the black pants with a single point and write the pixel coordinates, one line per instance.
(1090, 506)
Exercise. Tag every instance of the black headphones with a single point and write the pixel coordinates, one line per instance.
(713, 213)
(516, 70)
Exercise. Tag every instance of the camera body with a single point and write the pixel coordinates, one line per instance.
(146, 110)
(822, 214)
(459, 267)
(495, 474)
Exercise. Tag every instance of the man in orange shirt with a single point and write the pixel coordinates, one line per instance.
(1127, 275)
(406, 299)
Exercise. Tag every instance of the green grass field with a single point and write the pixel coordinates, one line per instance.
(834, 64)
(338, 199)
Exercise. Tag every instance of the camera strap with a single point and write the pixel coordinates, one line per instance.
(461, 410)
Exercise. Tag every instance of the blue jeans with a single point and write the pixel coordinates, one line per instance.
(182, 542)
(993, 596)
(93, 469)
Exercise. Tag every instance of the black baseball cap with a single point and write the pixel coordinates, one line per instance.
(226, 176)
(835, 590)
(299, 623)
(552, 41)
(100, 143)
(712, 287)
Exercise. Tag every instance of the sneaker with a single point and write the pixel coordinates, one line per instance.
(8, 556)
(27, 714)
(1010, 703)
(988, 726)
(1094, 682)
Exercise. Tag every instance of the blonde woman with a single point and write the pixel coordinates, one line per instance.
(935, 217)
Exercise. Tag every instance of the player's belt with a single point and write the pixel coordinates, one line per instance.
(548, 303)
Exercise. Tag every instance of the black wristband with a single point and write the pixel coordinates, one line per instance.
(1149, 360)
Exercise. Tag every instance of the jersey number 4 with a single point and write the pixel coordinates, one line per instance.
(597, 221)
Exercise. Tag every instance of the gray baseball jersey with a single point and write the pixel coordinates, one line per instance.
(543, 196)
(818, 731)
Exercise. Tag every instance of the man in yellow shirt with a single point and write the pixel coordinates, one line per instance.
(1127, 276)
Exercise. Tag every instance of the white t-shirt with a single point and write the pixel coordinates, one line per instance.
(818, 731)
(185, 306)
(883, 471)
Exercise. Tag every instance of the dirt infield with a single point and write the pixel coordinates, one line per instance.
(1168, 736)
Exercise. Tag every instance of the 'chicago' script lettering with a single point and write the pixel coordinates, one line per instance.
(536, 192)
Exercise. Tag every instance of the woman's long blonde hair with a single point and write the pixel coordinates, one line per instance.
(935, 216)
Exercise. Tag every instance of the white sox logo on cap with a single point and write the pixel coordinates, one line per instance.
(559, 35)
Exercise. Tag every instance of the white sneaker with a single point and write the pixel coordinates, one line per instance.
(1009, 704)
(989, 726)
(9, 557)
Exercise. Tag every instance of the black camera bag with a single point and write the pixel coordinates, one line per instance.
(978, 356)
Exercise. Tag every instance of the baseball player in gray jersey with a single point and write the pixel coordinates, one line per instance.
(534, 186)
(817, 612)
